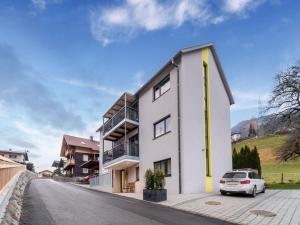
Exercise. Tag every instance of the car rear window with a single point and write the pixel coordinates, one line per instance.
(235, 175)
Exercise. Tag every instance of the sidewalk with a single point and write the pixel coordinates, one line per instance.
(283, 204)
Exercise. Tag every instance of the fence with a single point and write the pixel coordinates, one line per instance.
(285, 177)
(102, 180)
(8, 169)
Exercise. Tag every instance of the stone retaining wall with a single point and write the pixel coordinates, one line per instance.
(11, 204)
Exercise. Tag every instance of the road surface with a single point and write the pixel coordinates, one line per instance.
(47, 202)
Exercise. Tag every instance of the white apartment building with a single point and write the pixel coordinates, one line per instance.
(179, 122)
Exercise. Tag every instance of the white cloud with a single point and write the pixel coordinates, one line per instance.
(92, 85)
(240, 6)
(2, 110)
(121, 22)
(41, 5)
(139, 79)
(245, 100)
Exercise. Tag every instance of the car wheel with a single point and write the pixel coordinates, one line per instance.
(254, 192)
(264, 189)
(223, 193)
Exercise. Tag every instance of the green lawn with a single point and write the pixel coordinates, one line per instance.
(272, 168)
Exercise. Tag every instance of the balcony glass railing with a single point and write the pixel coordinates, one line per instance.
(119, 151)
(130, 113)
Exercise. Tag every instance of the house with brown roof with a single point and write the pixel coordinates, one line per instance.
(79, 152)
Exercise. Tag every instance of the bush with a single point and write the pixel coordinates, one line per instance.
(159, 180)
(149, 179)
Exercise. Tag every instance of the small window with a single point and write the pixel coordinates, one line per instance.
(137, 173)
(12, 156)
(85, 170)
(162, 127)
(162, 87)
(164, 166)
(85, 158)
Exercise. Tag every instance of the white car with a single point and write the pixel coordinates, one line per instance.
(242, 181)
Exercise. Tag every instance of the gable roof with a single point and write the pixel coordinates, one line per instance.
(177, 56)
(80, 142)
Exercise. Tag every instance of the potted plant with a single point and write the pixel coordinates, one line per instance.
(154, 186)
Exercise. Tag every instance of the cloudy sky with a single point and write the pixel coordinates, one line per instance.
(63, 62)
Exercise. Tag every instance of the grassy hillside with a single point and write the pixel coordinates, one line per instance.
(272, 168)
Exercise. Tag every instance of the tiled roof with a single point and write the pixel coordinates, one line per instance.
(82, 142)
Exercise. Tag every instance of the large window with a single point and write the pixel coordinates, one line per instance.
(164, 166)
(85, 170)
(162, 87)
(162, 127)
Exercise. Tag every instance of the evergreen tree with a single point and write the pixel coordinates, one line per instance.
(257, 160)
(235, 159)
(252, 131)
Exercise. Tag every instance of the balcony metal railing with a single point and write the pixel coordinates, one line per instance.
(119, 151)
(130, 113)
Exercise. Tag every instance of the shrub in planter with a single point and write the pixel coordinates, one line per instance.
(154, 184)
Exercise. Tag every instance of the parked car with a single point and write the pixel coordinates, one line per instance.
(242, 181)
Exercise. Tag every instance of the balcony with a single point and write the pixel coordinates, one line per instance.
(122, 122)
(69, 163)
(68, 152)
(120, 158)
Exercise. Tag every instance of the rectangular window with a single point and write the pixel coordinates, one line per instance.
(85, 158)
(85, 170)
(162, 87)
(164, 166)
(162, 127)
(137, 173)
(12, 156)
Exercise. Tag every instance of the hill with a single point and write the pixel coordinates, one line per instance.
(271, 167)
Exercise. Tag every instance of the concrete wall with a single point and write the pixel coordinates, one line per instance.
(164, 147)
(192, 124)
(220, 125)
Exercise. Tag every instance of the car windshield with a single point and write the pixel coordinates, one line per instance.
(235, 175)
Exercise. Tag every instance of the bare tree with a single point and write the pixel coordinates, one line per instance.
(284, 106)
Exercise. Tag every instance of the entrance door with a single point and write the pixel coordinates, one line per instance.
(122, 181)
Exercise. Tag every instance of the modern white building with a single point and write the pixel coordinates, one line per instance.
(179, 122)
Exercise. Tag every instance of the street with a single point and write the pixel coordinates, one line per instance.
(47, 202)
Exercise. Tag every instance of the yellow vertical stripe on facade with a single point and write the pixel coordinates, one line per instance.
(208, 179)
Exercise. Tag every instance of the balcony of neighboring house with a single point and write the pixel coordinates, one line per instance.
(69, 163)
(68, 152)
(121, 118)
(123, 155)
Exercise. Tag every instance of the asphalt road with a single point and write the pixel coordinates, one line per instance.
(47, 202)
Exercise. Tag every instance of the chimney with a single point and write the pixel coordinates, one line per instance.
(91, 138)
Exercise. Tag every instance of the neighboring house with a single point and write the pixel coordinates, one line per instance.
(235, 137)
(17, 156)
(77, 152)
(45, 173)
(179, 122)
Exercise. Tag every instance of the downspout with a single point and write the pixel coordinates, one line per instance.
(178, 120)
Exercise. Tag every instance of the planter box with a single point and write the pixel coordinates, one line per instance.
(155, 195)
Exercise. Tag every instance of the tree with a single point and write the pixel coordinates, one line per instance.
(256, 160)
(252, 131)
(30, 166)
(284, 105)
(235, 159)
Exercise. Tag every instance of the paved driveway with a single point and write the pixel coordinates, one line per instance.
(237, 209)
(52, 203)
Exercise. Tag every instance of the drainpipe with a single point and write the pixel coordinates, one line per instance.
(178, 120)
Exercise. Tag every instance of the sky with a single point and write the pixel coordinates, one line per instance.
(64, 62)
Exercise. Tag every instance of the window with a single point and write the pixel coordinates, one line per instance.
(162, 87)
(137, 173)
(162, 127)
(12, 156)
(235, 175)
(85, 170)
(164, 166)
(85, 158)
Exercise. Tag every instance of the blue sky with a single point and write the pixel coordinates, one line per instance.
(64, 62)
